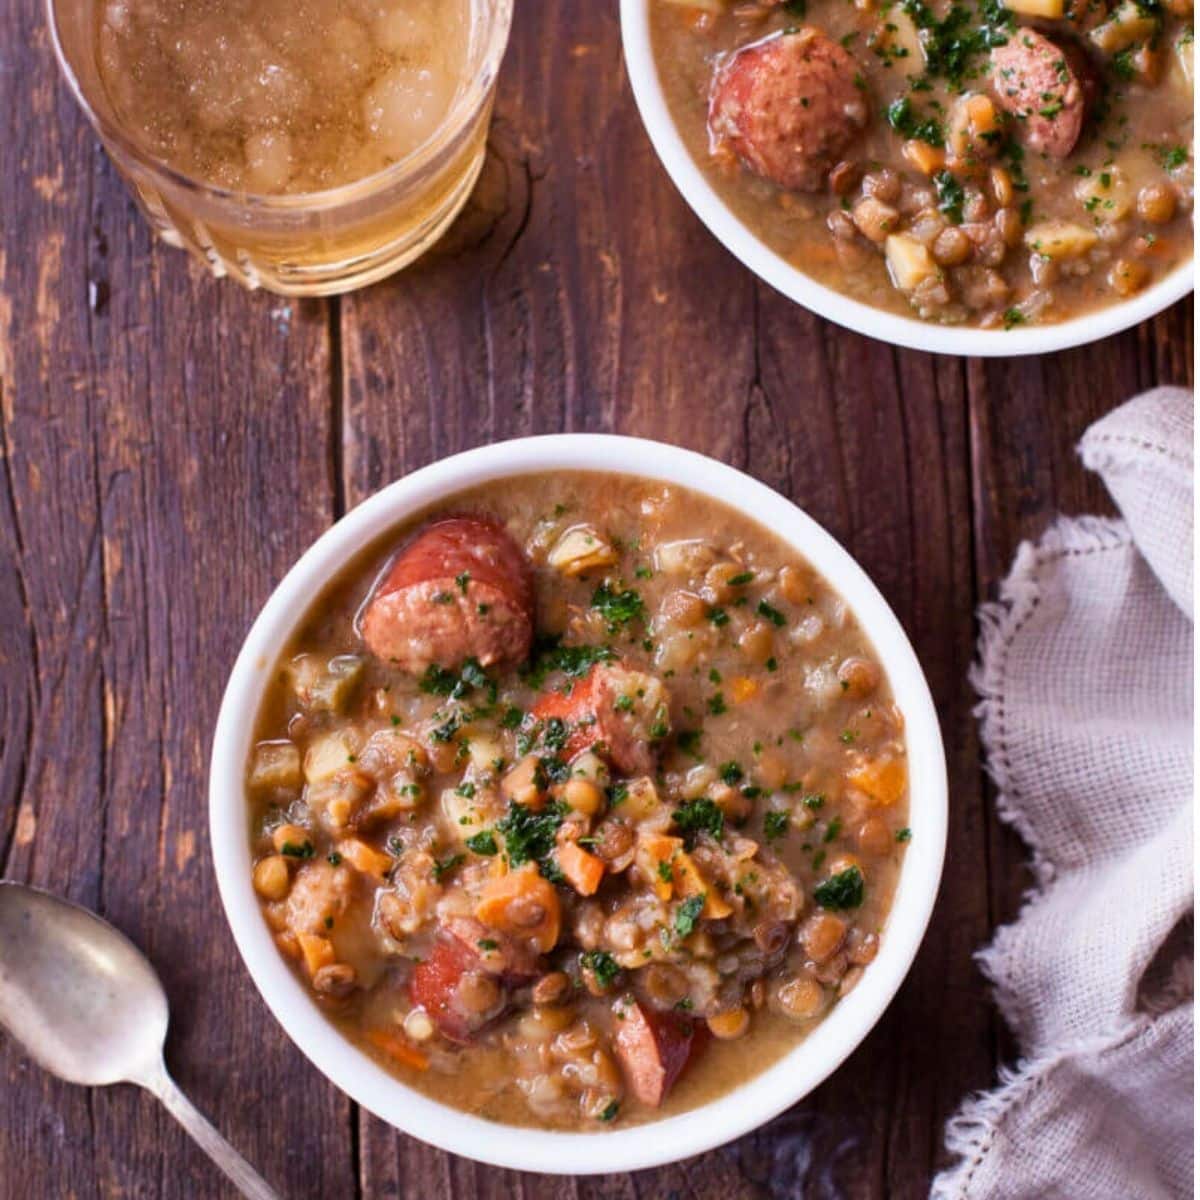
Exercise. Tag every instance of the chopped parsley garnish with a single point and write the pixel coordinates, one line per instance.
(664, 871)
(951, 44)
(463, 581)
(841, 891)
(437, 681)
(732, 773)
(949, 196)
(443, 867)
(333, 858)
(601, 964)
(618, 608)
(610, 1110)
(483, 842)
(529, 836)
(488, 944)
(1174, 157)
(835, 828)
(687, 914)
(1013, 317)
(716, 704)
(688, 740)
(904, 835)
(904, 120)
(573, 661)
(623, 704)
(772, 614)
(699, 816)
(718, 616)
(775, 825)
(512, 717)
(292, 850)
(741, 579)
(847, 736)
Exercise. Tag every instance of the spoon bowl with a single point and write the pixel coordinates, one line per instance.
(77, 993)
(86, 1004)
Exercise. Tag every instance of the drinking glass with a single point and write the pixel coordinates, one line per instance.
(305, 244)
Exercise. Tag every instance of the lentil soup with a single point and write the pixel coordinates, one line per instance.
(578, 800)
(963, 161)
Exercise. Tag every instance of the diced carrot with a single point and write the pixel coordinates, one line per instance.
(583, 870)
(743, 688)
(653, 850)
(365, 859)
(689, 882)
(396, 1047)
(317, 951)
(509, 902)
(883, 779)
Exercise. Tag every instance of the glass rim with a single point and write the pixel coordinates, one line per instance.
(465, 106)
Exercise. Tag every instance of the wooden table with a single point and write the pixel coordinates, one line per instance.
(171, 444)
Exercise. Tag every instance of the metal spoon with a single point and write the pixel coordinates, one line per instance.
(86, 1004)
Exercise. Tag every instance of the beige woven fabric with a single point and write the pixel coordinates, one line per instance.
(1085, 674)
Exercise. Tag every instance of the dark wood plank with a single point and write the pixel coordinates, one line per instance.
(166, 456)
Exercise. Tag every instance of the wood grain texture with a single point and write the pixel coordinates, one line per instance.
(169, 445)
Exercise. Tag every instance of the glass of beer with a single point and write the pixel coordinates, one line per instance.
(304, 146)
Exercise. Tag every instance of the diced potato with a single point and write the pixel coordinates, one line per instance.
(485, 754)
(1050, 9)
(1127, 26)
(909, 262)
(898, 39)
(641, 799)
(327, 754)
(688, 558)
(276, 765)
(465, 815)
(325, 686)
(1106, 195)
(1060, 240)
(581, 549)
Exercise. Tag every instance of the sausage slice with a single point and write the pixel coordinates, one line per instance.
(652, 1048)
(1046, 87)
(620, 713)
(788, 106)
(462, 984)
(460, 589)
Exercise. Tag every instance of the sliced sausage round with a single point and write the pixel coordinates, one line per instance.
(652, 1047)
(463, 988)
(1046, 87)
(788, 106)
(620, 713)
(460, 589)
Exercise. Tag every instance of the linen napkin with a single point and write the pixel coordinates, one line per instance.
(1085, 674)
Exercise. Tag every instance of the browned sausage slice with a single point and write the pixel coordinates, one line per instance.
(652, 1048)
(1045, 86)
(620, 712)
(788, 106)
(463, 982)
(460, 589)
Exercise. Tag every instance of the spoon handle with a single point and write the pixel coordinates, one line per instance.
(240, 1173)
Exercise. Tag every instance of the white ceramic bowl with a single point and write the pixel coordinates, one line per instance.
(760, 1097)
(803, 289)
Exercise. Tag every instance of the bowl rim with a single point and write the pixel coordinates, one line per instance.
(773, 268)
(748, 1104)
